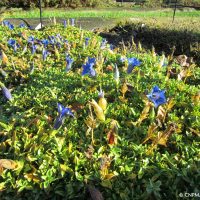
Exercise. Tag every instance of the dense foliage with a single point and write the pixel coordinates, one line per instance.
(89, 3)
(127, 122)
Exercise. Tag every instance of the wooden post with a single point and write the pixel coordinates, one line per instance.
(174, 11)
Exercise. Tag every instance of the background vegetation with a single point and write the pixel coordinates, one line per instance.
(88, 3)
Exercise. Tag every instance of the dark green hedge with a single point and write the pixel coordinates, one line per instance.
(53, 3)
(86, 3)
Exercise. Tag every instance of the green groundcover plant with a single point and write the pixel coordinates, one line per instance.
(81, 118)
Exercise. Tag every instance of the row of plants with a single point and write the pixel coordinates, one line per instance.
(90, 3)
(81, 118)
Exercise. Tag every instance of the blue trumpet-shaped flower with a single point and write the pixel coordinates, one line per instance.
(52, 40)
(6, 92)
(45, 42)
(132, 62)
(65, 42)
(103, 43)
(72, 20)
(58, 44)
(65, 23)
(22, 25)
(13, 44)
(8, 24)
(87, 41)
(59, 38)
(157, 96)
(112, 47)
(122, 59)
(33, 49)
(88, 67)
(31, 39)
(45, 53)
(69, 62)
(63, 112)
(101, 94)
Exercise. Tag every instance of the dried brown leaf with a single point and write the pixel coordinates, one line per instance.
(7, 164)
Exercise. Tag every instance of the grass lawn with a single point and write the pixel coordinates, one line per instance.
(106, 13)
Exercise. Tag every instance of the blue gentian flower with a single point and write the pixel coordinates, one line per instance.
(45, 43)
(22, 25)
(157, 96)
(63, 112)
(112, 47)
(88, 67)
(65, 41)
(72, 20)
(116, 73)
(13, 44)
(103, 43)
(38, 41)
(69, 62)
(132, 62)
(33, 49)
(31, 39)
(87, 41)
(8, 24)
(65, 23)
(52, 40)
(101, 94)
(92, 61)
(45, 53)
(122, 59)
(6, 92)
(58, 45)
(59, 38)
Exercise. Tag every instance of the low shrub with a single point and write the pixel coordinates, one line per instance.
(81, 118)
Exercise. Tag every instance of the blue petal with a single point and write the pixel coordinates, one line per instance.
(6, 93)
(60, 108)
(91, 60)
(58, 123)
(156, 89)
(101, 94)
(157, 96)
(66, 111)
(130, 69)
(65, 23)
(92, 72)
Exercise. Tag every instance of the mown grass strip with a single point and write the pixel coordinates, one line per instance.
(101, 13)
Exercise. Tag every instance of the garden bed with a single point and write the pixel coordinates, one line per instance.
(80, 118)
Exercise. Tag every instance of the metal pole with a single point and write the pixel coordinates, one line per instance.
(174, 11)
(40, 2)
